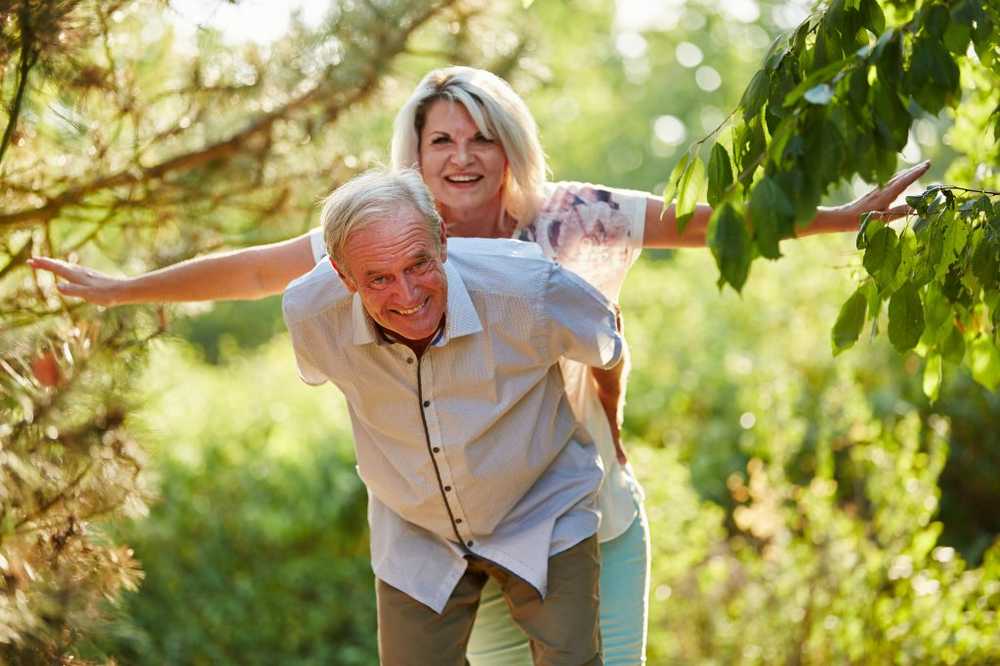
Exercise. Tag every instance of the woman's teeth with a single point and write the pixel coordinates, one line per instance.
(462, 179)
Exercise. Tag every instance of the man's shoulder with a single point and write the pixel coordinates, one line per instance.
(498, 265)
(313, 293)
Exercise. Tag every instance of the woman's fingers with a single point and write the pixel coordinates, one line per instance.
(79, 281)
(63, 269)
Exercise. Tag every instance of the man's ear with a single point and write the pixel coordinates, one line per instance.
(348, 282)
(444, 243)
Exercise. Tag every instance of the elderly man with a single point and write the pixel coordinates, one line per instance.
(474, 463)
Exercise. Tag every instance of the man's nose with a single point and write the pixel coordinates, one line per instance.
(406, 290)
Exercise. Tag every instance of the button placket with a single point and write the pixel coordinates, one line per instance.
(449, 491)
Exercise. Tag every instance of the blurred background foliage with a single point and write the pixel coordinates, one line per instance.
(803, 510)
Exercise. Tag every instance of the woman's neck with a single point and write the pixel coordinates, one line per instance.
(484, 222)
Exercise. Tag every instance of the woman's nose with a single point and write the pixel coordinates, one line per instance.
(461, 154)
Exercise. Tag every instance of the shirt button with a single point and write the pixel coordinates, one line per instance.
(458, 521)
(409, 359)
(447, 489)
(469, 544)
(436, 449)
(427, 403)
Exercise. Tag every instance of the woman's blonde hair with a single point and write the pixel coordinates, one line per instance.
(499, 113)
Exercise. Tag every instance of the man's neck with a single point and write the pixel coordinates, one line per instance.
(418, 347)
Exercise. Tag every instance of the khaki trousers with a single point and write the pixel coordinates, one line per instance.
(563, 628)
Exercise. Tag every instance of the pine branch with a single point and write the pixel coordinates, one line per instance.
(236, 144)
(28, 58)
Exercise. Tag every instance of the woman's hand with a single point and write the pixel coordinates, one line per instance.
(848, 216)
(80, 281)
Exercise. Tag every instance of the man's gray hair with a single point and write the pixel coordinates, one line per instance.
(375, 195)
(498, 112)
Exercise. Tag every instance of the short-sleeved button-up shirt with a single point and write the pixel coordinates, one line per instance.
(473, 444)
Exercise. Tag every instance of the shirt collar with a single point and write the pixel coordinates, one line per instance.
(461, 317)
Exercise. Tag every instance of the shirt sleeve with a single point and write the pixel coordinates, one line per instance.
(593, 230)
(317, 244)
(305, 340)
(582, 324)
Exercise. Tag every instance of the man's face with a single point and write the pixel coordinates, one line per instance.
(394, 266)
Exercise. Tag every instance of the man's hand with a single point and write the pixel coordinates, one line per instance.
(80, 282)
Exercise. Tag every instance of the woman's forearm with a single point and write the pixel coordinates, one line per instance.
(242, 274)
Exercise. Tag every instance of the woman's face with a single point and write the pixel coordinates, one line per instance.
(462, 168)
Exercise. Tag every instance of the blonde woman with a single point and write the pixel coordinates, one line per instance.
(477, 147)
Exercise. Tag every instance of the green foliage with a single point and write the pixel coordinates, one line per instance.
(836, 98)
(941, 278)
(127, 146)
(803, 508)
(257, 550)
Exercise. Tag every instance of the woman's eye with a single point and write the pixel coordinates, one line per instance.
(439, 140)
(482, 139)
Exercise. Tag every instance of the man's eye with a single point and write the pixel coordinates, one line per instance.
(377, 281)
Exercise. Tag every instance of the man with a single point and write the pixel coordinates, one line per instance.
(474, 463)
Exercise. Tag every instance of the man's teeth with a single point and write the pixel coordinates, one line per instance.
(411, 310)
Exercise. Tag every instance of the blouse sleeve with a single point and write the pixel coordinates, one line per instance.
(594, 231)
(316, 244)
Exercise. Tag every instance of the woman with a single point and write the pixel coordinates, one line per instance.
(476, 145)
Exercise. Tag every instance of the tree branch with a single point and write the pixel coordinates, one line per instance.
(231, 147)
(29, 56)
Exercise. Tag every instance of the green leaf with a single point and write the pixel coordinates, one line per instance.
(720, 174)
(821, 94)
(772, 216)
(869, 225)
(953, 347)
(956, 37)
(984, 362)
(938, 315)
(850, 321)
(933, 374)
(754, 95)
(986, 264)
(877, 248)
(670, 191)
(906, 318)
(892, 120)
(933, 77)
(689, 191)
(821, 75)
(956, 235)
(730, 244)
(874, 17)
(936, 20)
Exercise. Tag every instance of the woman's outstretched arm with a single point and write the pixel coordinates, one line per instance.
(661, 226)
(244, 274)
